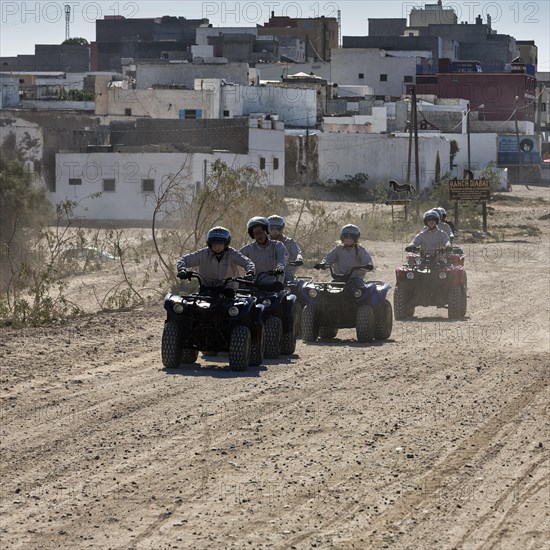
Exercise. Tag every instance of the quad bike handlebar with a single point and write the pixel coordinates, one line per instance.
(368, 267)
(188, 275)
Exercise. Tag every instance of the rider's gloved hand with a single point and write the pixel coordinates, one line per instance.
(249, 276)
(298, 263)
(319, 266)
(280, 269)
(369, 267)
(410, 248)
(183, 275)
(448, 249)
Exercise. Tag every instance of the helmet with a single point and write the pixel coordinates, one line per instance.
(350, 231)
(441, 211)
(431, 214)
(218, 235)
(277, 222)
(254, 222)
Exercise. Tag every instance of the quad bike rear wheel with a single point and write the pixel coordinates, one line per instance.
(310, 328)
(273, 334)
(464, 307)
(170, 350)
(189, 356)
(365, 324)
(239, 348)
(383, 321)
(327, 333)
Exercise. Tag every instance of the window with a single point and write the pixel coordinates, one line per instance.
(262, 163)
(190, 114)
(75, 181)
(109, 186)
(225, 112)
(147, 186)
(408, 78)
(543, 107)
(127, 112)
(383, 78)
(275, 163)
(361, 76)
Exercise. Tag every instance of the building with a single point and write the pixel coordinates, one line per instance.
(151, 38)
(67, 58)
(320, 34)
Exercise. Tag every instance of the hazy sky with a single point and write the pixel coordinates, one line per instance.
(24, 24)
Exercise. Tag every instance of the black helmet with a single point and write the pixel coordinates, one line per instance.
(277, 222)
(218, 235)
(254, 222)
(431, 215)
(350, 230)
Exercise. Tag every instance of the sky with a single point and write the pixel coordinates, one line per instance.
(24, 24)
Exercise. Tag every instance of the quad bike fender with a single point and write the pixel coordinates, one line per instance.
(377, 292)
(259, 313)
(290, 303)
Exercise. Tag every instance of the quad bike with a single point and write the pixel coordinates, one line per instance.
(437, 279)
(215, 318)
(345, 304)
(279, 315)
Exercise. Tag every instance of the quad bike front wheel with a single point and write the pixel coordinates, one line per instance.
(273, 334)
(288, 339)
(402, 308)
(257, 348)
(310, 328)
(365, 324)
(383, 321)
(455, 303)
(188, 356)
(464, 307)
(239, 348)
(170, 350)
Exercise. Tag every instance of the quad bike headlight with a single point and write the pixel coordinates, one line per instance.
(266, 302)
(313, 293)
(442, 275)
(177, 308)
(410, 275)
(357, 293)
(233, 311)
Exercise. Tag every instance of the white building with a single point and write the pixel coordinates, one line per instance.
(129, 181)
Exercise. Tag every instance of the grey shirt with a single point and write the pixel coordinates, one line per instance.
(430, 240)
(344, 258)
(294, 254)
(213, 270)
(267, 258)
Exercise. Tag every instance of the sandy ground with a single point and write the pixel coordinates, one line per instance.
(437, 438)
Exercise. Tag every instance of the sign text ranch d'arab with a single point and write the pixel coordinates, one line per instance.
(469, 190)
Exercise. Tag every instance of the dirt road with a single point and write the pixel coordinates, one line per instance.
(437, 438)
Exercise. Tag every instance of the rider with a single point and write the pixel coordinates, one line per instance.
(443, 224)
(217, 261)
(443, 217)
(344, 257)
(276, 226)
(431, 238)
(267, 255)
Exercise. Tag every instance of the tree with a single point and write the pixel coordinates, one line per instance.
(77, 40)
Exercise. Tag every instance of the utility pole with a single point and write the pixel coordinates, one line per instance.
(520, 159)
(416, 162)
(67, 20)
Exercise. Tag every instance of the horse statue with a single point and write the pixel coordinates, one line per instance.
(406, 188)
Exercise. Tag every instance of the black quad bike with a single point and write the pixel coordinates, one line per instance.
(215, 318)
(279, 315)
(344, 304)
(437, 279)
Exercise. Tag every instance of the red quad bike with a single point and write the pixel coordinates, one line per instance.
(431, 280)
(215, 318)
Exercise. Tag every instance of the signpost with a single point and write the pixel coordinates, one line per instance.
(478, 190)
(398, 202)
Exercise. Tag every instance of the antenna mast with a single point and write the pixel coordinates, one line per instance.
(67, 19)
(339, 14)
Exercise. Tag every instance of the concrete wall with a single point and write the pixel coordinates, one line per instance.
(295, 106)
(364, 124)
(129, 201)
(184, 74)
(382, 157)
(156, 103)
(349, 63)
